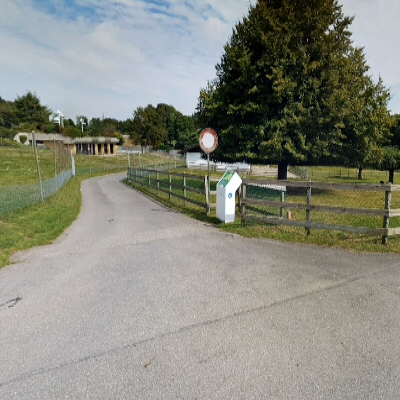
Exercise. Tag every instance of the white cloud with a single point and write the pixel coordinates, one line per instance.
(376, 28)
(113, 56)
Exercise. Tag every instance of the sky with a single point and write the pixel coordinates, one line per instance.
(108, 57)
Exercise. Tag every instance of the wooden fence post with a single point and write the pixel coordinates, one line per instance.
(308, 211)
(38, 166)
(282, 200)
(184, 188)
(386, 218)
(243, 204)
(170, 186)
(207, 191)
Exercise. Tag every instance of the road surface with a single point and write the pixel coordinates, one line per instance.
(138, 301)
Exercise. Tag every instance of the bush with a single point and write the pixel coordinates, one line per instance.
(23, 139)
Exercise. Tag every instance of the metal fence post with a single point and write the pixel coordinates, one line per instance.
(158, 182)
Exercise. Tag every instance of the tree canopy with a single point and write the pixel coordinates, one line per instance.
(292, 88)
(30, 110)
(162, 125)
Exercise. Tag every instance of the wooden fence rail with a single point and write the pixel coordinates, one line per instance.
(385, 212)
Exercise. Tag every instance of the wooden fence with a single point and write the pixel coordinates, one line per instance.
(385, 212)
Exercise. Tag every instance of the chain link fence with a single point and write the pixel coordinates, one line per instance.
(15, 197)
(28, 176)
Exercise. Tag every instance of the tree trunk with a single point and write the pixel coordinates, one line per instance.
(391, 176)
(282, 170)
(360, 173)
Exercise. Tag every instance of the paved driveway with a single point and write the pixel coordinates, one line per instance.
(138, 301)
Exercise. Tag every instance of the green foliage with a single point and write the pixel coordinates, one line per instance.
(8, 114)
(120, 138)
(72, 131)
(390, 159)
(23, 139)
(51, 127)
(69, 122)
(291, 88)
(160, 125)
(109, 127)
(95, 127)
(395, 131)
(188, 140)
(30, 110)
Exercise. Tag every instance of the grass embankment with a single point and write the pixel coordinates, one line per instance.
(41, 223)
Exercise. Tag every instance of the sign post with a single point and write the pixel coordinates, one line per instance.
(208, 143)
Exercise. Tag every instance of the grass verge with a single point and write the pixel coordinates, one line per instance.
(337, 239)
(41, 223)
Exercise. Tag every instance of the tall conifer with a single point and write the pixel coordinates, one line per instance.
(292, 89)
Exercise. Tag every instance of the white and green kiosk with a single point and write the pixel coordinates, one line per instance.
(226, 198)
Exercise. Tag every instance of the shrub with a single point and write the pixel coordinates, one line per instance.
(23, 139)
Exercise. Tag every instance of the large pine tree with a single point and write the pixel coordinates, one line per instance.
(292, 89)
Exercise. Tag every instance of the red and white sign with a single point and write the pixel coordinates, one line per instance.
(208, 140)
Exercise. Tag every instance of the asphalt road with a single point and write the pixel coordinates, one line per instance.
(138, 301)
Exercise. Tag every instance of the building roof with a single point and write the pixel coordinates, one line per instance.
(47, 137)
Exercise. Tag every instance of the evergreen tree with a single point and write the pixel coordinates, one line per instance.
(290, 88)
(31, 111)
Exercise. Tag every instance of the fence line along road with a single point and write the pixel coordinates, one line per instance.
(326, 203)
(15, 197)
(174, 185)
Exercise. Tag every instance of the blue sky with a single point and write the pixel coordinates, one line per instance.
(96, 57)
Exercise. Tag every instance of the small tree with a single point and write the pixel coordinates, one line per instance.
(31, 111)
(23, 139)
(390, 161)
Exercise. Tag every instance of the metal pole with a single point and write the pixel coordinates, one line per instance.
(208, 174)
(38, 165)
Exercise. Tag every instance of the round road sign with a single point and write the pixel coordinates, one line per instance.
(208, 140)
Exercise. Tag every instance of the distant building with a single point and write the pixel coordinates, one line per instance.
(85, 145)
(196, 159)
(58, 118)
